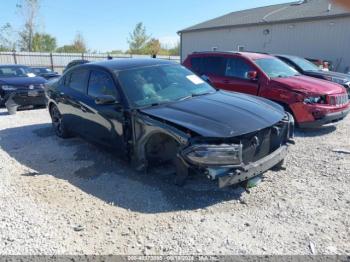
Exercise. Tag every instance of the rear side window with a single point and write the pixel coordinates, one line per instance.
(78, 80)
(101, 83)
(196, 63)
(238, 68)
(212, 65)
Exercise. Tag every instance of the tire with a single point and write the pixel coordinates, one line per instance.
(57, 123)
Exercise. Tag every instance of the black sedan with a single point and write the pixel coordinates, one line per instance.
(154, 112)
(20, 87)
(305, 67)
(45, 72)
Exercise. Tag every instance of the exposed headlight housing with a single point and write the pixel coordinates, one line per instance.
(317, 99)
(313, 100)
(214, 154)
(8, 88)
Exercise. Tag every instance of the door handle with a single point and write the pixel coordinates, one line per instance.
(226, 81)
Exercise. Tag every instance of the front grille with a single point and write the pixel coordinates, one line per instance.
(259, 144)
(338, 100)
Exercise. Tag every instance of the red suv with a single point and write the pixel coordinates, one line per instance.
(313, 102)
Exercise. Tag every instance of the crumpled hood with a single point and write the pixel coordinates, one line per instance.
(22, 81)
(309, 85)
(221, 114)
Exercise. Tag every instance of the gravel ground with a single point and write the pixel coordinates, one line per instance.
(70, 197)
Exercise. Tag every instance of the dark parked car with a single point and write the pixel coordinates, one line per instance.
(45, 72)
(313, 102)
(305, 67)
(75, 63)
(321, 64)
(155, 111)
(20, 87)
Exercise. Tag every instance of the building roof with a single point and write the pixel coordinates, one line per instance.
(288, 12)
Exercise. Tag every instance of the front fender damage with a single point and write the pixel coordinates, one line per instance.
(144, 128)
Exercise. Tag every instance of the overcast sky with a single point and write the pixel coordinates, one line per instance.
(105, 24)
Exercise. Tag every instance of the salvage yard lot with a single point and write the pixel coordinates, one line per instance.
(70, 197)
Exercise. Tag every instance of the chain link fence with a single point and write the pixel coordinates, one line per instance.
(58, 61)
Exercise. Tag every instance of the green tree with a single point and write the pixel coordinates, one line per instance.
(6, 44)
(138, 39)
(29, 9)
(78, 45)
(115, 52)
(175, 51)
(66, 49)
(153, 47)
(43, 43)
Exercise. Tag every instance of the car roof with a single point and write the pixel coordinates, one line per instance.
(130, 63)
(255, 56)
(286, 56)
(11, 65)
(250, 55)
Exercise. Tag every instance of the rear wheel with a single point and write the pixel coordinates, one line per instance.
(57, 123)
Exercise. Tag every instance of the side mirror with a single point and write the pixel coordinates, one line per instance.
(106, 100)
(252, 75)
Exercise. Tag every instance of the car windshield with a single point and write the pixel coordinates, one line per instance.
(15, 71)
(304, 64)
(275, 68)
(161, 84)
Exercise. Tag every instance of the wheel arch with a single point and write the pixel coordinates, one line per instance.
(153, 137)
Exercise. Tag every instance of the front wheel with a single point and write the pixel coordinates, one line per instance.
(57, 123)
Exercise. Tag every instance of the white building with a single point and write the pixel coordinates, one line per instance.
(310, 28)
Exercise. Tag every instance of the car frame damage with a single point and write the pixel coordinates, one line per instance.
(157, 141)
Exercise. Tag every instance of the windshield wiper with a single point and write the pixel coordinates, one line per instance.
(202, 94)
(193, 95)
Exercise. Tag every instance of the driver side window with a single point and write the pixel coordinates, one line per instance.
(238, 68)
(100, 83)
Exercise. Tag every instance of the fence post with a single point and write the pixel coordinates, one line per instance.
(82, 56)
(51, 60)
(14, 57)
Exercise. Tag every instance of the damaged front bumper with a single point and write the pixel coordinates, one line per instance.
(259, 152)
(329, 119)
(237, 175)
(23, 98)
